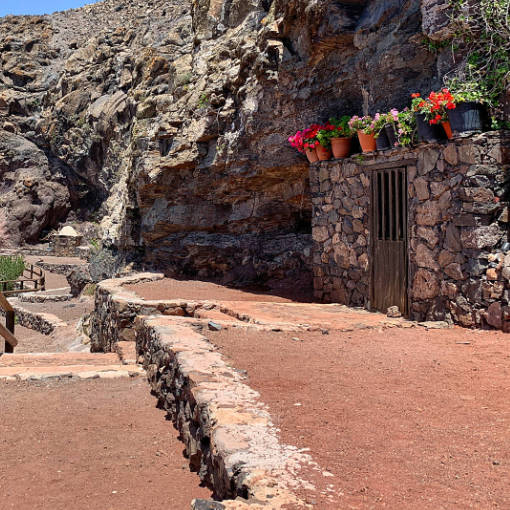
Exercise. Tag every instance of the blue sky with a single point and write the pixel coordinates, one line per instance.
(39, 6)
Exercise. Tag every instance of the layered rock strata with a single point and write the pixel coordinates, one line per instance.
(166, 121)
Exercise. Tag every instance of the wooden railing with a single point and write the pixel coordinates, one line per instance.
(32, 279)
(7, 331)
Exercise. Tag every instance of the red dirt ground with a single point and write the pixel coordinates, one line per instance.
(403, 418)
(94, 445)
(67, 311)
(169, 288)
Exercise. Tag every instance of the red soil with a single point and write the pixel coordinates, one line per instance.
(169, 288)
(90, 445)
(403, 418)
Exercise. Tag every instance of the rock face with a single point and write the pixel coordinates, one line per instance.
(166, 121)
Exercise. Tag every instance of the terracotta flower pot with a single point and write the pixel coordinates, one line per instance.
(367, 142)
(323, 153)
(341, 147)
(447, 129)
(311, 154)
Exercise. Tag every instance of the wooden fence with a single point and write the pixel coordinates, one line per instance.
(32, 279)
(7, 331)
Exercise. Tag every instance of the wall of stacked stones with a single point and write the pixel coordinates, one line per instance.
(459, 265)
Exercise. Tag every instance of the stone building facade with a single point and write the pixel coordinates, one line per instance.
(457, 255)
(66, 243)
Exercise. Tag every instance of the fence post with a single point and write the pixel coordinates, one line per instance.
(9, 324)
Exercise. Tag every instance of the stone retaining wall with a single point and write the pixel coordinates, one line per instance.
(44, 323)
(459, 266)
(229, 437)
(115, 312)
(116, 309)
(30, 297)
(63, 269)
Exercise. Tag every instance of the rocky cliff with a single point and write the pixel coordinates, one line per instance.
(165, 122)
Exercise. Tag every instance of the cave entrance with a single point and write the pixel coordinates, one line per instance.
(389, 280)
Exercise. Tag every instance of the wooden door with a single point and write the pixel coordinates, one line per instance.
(389, 239)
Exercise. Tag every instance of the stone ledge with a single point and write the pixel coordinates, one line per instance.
(229, 436)
(30, 297)
(63, 269)
(116, 309)
(45, 323)
(67, 372)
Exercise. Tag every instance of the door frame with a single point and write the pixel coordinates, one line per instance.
(371, 169)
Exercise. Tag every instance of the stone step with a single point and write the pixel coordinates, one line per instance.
(48, 359)
(44, 366)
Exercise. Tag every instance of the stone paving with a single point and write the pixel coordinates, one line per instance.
(44, 366)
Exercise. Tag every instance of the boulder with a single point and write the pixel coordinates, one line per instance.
(78, 279)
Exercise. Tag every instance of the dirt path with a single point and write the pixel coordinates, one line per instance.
(98, 444)
(69, 311)
(169, 288)
(401, 419)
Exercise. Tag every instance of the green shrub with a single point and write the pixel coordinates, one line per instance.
(11, 268)
(89, 289)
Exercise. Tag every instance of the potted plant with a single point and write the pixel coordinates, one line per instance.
(470, 112)
(305, 142)
(324, 135)
(364, 126)
(405, 128)
(424, 113)
(442, 102)
(311, 143)
(391, 127)
(381, 138)
(341, 137)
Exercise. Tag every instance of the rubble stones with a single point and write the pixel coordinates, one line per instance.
(394, 312)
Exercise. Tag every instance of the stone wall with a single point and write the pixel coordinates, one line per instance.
(228, 434)
(115, 311)
(65, 246)
(117, 307)
(459, 266)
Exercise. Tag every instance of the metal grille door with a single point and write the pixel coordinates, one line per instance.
(389, 239)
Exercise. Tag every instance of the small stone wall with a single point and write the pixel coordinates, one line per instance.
(65, 246)
(457, 229)
(115, 312)
(45, 323)
(116, 309)
(230, 439)
(63, 269)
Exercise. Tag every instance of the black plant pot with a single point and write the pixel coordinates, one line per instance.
(392, 136)
(429, 132)
(467, 117)
(382, 143)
